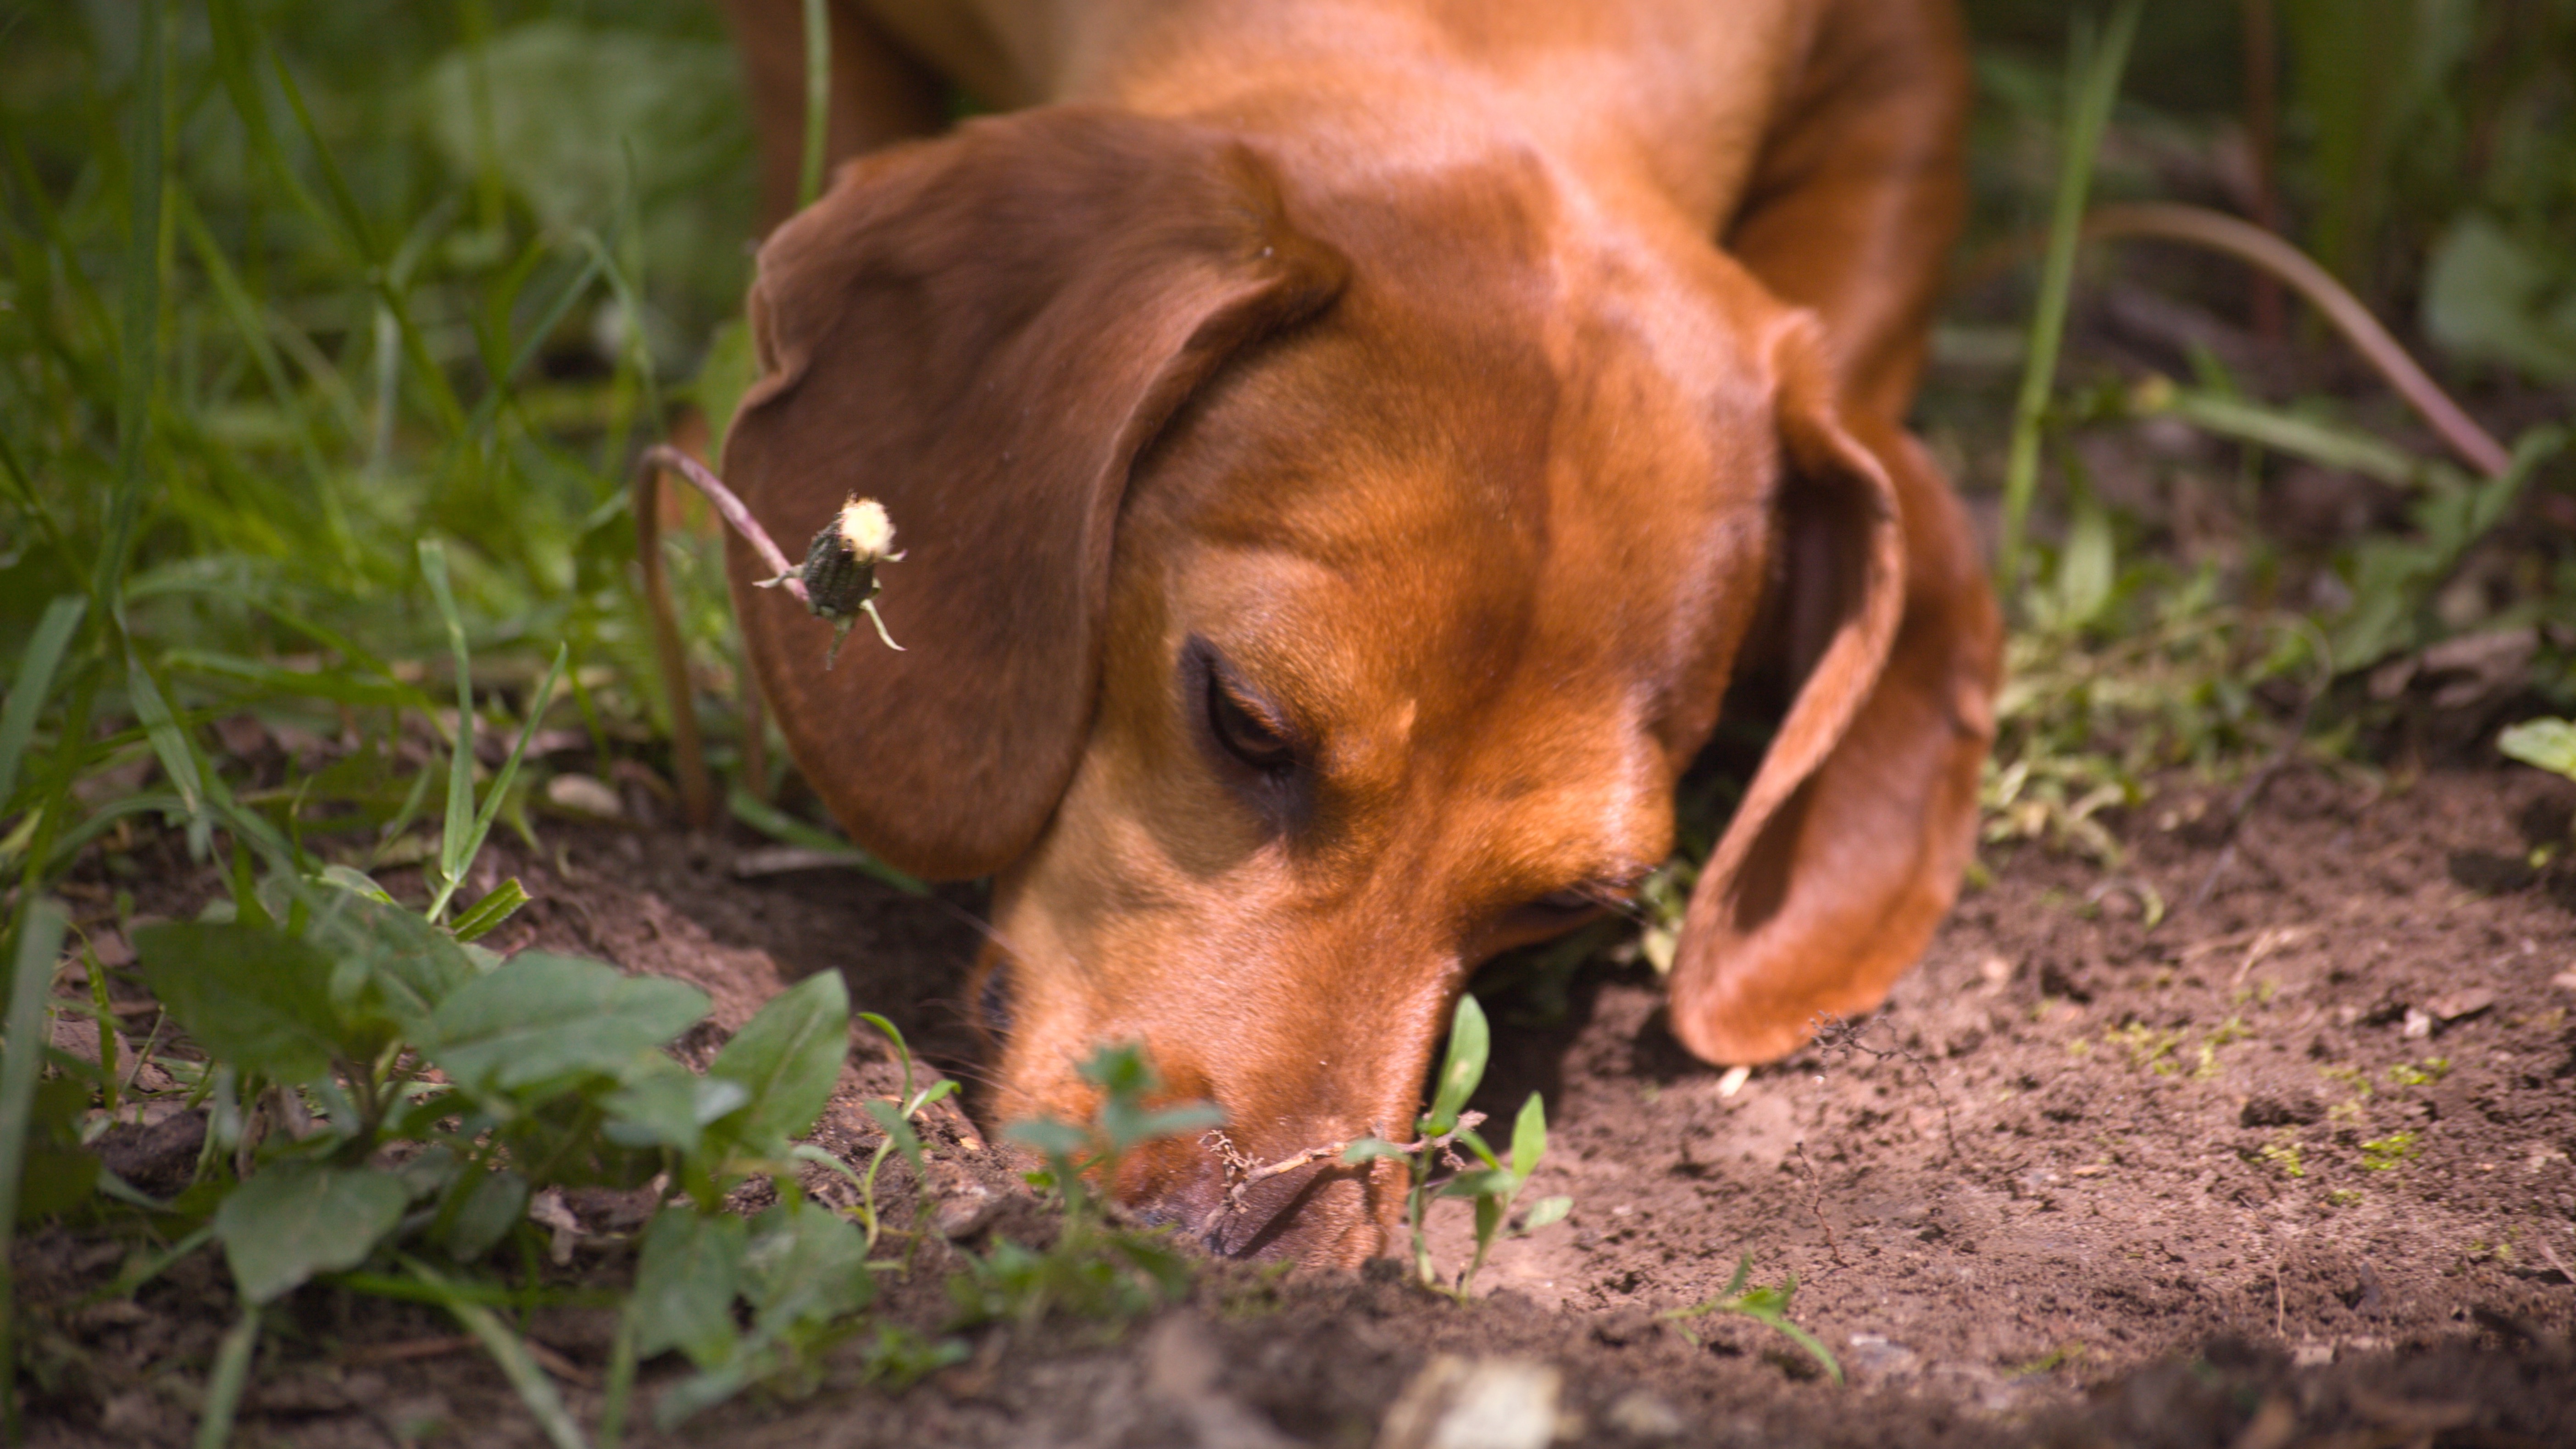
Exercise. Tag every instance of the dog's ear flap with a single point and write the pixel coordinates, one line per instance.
(983, 332)
(1851, 837)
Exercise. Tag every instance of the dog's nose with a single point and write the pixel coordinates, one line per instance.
(1247, 1196)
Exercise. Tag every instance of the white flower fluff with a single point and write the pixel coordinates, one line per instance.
(866, 529)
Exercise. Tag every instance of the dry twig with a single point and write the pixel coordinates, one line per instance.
(1242, 1172)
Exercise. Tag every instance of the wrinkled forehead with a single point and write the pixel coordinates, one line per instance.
(1499, 450)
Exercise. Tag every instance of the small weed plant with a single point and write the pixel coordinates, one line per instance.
(1485, 1179)
(2387, 1154)
(2283, 1156)
(1768, 1306)
(385, 1099)
(1099, 1268)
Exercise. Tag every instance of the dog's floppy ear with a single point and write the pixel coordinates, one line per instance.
(1848, 847)
(983, 332)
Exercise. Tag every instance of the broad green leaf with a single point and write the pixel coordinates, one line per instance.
(701, 1391)
(2086, 569)
(355, 881)
(1464, 1066)
(1120, 1069)
(428, 1173)
(1049, 1136)
(1547, 1210)
(685, 1282)
(57, 1173)
(2488, 297)
(2547, 743)
(390, 968)
(670, 1108)
(789, 1056)
(1124, 1122)
(1367, 1148)
(493, 1205)
(1529, 1137)
(297, 1219)
(540, 1018)
(254, 997)
(805, 1267)
(897, 1128)
(1493, 1182)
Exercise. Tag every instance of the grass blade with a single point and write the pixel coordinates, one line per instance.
(488, 411)
(500, 790)
(362, 240)
(2093, 80)
(35, 681)
(2320, 443)
(482, 917)
(621, 1380)
(818, 100)
(452, 852)
(139, 319)
(235, 36)
(517, 1365)
(248, 321)
(224, 1385)
(169, 742)
(778, 825)
(40, 941)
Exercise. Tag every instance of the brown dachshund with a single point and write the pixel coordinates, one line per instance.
(1347, 451)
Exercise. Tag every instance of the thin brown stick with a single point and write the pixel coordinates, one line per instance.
(688, 744)
(2249, 243)
(406, 1350)
(1242, 1172)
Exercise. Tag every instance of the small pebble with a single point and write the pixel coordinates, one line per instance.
(1640, 1415)
(585, 795)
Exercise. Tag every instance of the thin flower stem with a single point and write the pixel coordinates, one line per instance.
(2247, 242)
(688, 745)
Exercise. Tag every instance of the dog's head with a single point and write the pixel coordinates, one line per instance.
(1309, 596)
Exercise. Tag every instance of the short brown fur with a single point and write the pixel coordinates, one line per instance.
(1465, 395)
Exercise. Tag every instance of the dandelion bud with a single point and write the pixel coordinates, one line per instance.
(840, 570)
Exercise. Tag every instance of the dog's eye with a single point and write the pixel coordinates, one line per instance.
(1566, 903)
(1245, 734)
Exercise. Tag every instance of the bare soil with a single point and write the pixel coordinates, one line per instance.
(2290, 1166)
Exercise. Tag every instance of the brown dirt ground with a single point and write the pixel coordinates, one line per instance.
(2081, 1182)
